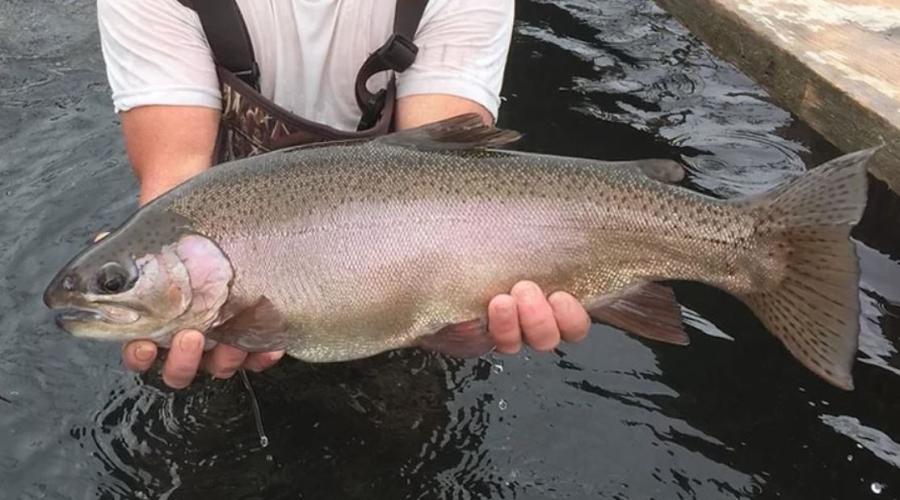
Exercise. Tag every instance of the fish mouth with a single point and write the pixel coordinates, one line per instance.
(75, 315)
(106, 314)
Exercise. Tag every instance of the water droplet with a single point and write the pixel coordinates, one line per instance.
(269, 458)
(502, 404)
(849, 458)
(877, 488)
(497, 369)
(263, 441)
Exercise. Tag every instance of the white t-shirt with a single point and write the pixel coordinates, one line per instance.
(308, 51)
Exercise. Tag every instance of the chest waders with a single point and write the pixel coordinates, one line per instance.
(252, 124)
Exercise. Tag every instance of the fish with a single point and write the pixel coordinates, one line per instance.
(346, 250)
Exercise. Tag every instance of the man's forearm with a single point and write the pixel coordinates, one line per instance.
(418, 110)
(168, 145)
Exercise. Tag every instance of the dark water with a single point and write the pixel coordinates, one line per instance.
(731, 416)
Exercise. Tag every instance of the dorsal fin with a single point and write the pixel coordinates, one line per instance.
(461, 132)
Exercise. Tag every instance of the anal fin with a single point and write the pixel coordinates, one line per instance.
(647, 309)
(467, 339)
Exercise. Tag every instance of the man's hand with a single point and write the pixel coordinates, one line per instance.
(526, 316)
(186, 356)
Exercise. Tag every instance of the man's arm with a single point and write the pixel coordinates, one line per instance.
(416, 110)
(167, 145)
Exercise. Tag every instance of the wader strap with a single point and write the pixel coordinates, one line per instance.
(228, 38)
(397, 54)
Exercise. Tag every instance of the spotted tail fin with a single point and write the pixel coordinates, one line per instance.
(814, 309)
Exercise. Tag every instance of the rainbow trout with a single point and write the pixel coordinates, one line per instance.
(343, 251)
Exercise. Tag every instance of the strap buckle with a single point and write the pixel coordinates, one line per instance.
(398, 53)
(372, 110)
(250, 76)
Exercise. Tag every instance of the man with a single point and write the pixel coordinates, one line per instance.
(170, 70)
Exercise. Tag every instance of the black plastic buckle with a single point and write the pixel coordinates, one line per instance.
(398, 53)
(374, 107)
(249, 76)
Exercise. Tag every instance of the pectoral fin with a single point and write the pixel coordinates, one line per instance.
(257, 327)
(467, 339)
(648, 310)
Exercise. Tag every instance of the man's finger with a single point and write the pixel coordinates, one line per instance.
(259, 361)
(139, 355)
(224, 360)
(503, 323)
(573, 321)
(535, 316)
(184, 359)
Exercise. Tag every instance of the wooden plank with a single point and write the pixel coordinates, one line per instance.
(835, 63)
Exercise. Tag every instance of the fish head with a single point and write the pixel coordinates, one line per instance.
(134, 284)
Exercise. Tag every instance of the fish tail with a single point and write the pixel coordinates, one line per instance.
(813, 308)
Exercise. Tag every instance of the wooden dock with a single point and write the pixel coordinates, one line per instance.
(834, 63)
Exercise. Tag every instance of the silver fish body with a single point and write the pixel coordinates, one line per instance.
(344, 251)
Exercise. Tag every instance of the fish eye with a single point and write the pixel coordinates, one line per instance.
(113, 278)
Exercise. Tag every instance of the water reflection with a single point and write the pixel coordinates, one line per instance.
(873, 440)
